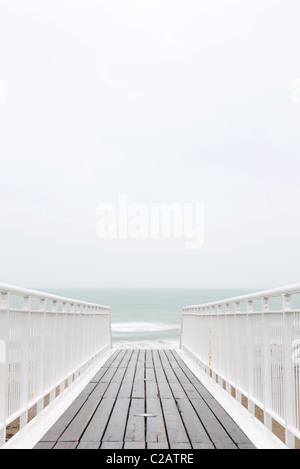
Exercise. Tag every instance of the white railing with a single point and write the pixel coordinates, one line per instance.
(250, 345)
(46, 343)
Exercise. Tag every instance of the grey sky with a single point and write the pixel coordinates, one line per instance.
(161, 100)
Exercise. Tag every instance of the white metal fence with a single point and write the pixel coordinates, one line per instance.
(250, 345)
(46, 343)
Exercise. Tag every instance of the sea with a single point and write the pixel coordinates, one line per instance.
(145, 317)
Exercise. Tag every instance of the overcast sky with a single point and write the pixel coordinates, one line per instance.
(194, 101)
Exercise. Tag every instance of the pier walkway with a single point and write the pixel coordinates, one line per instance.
(145, 399)
(234, 382)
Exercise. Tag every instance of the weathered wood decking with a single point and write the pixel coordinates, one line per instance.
(106, 415)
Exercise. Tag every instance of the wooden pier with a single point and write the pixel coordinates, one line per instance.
(145, 399)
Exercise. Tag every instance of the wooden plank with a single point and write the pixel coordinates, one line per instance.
(112, 390)
(164, 360)
(142, 354)
(87, 390)
(113, 359)
(66, 445)
(119, 375)
(164, 390)
(126, 359)
(98, 376)
(114, 362)
(190, 390)
(155, 427)
(157, 446)
(134, 445)
(111, 445)
(59, 427)
(215, 430)
(149, 359)
(171, 376)
(229, 425)
(151, 384)
(134, 357)
(200, 388)
(156, 359)
(128, 379)
(174, 426)
(45, 445)
(111, 362)
(138, 390)
(203, 446)
(162, 383)
(97, 425)
(225, 445)
(99, 390)
(126, 389)
(177, 446)
(88, 445)
(196, 431)
(116, 426)
(108, 375)
(135, 428)
(177, 389)
(246, 446)
(74, 431)
(172, 359)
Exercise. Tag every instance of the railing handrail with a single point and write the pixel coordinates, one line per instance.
(6, 288)
(272, 293)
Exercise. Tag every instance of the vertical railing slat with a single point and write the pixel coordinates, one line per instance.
(24, 388)
(4, 338)
(288, 372)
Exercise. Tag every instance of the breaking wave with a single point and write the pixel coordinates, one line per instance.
(143, 327)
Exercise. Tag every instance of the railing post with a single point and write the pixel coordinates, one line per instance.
(54, 356)
(237, 343)
(78, 335)
(226, 343)
(71, 344)
(181, 330)
(218, 341)
(288, 370)
(64, 348)
(110, 328)
(24, 386)
(4, 337)
(250, 355)
(266, 365)
(42, 309)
